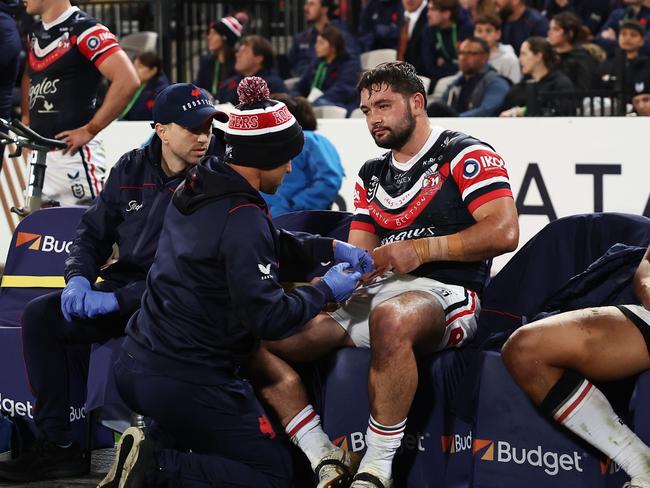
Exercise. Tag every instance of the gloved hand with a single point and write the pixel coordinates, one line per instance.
(72, 298)
(359, 259)
(99, 303)
(341, 282)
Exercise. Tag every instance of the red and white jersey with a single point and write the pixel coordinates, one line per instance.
(62, 65)
(432, 194)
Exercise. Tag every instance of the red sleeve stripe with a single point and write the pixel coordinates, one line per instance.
(364, 226)
(107, 55)
(488, 197)
(465, 152)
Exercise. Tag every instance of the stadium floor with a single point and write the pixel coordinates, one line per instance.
(101, 463)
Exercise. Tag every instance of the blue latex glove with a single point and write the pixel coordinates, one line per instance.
(341, 282)
(72, 298)
(359, 259)
(99, 303)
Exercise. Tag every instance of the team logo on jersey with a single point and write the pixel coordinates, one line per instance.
(78, 191)
(93, 42)
(265, 270)
(471, 169)
(133, 206)
(372, 188)
(40, 90)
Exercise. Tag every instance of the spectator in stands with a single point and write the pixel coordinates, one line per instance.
(213, 293)
(332, 79)
(566, 33)
(593, 13)
(634, 10)
(9, 59)
(379, 24)
(440, 40)
(641, 96)
(478, 91)
(148, 65)
(414, 21)
(254, 57)
(316, 173)
(219, 64)
(520, 22)
(630, 65)
(538, 62)
(557, 362)
(477, 8)
(502, 56)
(85, 311)
(318, 14)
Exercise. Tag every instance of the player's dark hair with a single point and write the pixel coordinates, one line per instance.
(400, 76)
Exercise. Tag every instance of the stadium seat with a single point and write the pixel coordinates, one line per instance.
(330, 112)
(291, 83)
(357, 114)
(139, 42)
(370, 59)
(426, 81)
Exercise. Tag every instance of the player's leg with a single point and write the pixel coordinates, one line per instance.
(282, 389)
(551, 359)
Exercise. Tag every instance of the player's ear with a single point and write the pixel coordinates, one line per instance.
(418, 102)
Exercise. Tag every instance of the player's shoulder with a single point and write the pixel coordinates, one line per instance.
(375, 163)
(455, 142)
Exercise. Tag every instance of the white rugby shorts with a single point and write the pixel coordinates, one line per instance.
(461, 307)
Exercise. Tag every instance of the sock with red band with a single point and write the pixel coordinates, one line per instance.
(306, 432)
(583, 409)
(382, 442)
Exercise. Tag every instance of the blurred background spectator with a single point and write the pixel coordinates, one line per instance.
(633, 10)
(219, 64)
(301, 55)
(254, 57)
(316, 173)
(502, 56)
(148, 66)
(594, 13)
(641, 98)
(538, 65)
(520, 22)
(409, 45)
(379, 24)
(566, 34)
(332, 77)
(629, 63)
(478, 91)
(9, 58)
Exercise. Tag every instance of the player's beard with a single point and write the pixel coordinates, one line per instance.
(398, 136)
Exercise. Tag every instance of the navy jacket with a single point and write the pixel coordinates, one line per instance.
(440, 59)
(129, 211)
(143, 106)
(228, 91)
(614, 21)
(380, 23)
(531, 23)
(303, 53)
(340, 84)
(214, 288)
(206, 74)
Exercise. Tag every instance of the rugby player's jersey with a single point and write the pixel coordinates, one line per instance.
(433, 194)
(62, 65)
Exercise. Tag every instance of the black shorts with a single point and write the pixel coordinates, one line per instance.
(640, 317)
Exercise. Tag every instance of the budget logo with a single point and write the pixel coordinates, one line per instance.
(549, 461)
(42, 243)
(451, 444)
(357, 442)
(607, 466)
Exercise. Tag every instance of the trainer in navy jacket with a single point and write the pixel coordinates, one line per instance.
(129, 211)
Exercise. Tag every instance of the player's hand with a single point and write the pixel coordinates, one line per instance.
(397, 256)
(358, 258)
(99, 303)
(72, 298)
(74, 138)
(608, 34)
(341, 282)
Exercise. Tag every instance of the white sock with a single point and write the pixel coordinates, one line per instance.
(306, 432)
(588, 414)
(382, 442)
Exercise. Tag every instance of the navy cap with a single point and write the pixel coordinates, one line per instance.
(186, 105)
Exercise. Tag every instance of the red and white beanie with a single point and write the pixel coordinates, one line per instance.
(230, 29)
(261, 132)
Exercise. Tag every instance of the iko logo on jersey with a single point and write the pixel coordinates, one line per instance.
(471, 169)
(40, 90)
(42, 243)
(551, 462)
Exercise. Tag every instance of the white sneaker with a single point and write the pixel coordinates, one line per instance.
(336, 468)
(637, 483)
(367, 479)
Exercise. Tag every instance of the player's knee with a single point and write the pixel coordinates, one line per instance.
(282, 387)
(35, 314)
(388, 328)
(519, 352)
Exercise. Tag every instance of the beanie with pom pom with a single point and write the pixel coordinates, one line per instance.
(261, 132)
